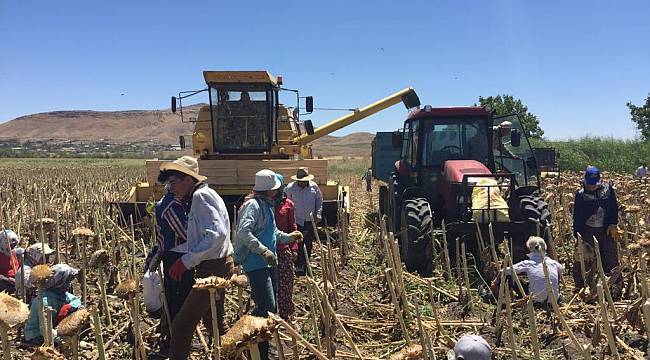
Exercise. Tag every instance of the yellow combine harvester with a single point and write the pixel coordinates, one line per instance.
(245, 128)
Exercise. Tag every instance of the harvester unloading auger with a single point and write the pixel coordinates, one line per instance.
(245, 129)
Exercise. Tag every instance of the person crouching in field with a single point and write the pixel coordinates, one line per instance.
(534, 270)
(35, 254)
(57, 295)
(285, 218)
(595, 214)
(255, 247)
(8, 261)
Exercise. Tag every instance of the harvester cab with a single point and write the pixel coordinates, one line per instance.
(466, 168)
(245, 128)
(246, 119)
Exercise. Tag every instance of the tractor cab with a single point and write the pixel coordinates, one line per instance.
(448, 156)
(433, 136)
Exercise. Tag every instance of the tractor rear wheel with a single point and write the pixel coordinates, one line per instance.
(532, 209)
(383, 200)
(415, 239)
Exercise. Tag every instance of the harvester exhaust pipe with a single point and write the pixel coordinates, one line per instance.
(407, 96)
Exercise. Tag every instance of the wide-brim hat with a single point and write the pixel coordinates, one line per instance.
(266, 180)
(186, 165)
(303, 175)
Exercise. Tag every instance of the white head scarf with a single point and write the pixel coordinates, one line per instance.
(8, 240)
(62, 276)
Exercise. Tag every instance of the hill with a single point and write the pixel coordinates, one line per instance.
(157, 126)
(135, 126)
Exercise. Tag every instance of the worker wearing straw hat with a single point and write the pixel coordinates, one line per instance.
(209, 250)
(257, 238)
(308, 201)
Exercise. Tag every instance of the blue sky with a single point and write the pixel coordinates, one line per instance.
(574, 63)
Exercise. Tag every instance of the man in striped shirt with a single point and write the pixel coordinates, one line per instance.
(171, 224)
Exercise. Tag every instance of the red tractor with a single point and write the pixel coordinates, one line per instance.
(444, 153)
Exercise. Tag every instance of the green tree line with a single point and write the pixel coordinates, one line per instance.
(607, 153)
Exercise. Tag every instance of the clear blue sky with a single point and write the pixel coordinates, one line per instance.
(574, 63)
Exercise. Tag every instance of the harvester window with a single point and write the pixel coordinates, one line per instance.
(241, 118)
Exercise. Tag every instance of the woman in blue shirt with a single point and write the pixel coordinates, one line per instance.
(255, 247)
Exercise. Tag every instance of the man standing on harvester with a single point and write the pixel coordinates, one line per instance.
(308, 201)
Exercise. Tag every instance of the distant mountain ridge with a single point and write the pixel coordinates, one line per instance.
(134, 126)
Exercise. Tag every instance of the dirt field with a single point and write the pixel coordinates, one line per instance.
(364, 300)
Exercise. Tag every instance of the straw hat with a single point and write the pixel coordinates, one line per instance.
(265, 180)
(303, 175)
(186, 165)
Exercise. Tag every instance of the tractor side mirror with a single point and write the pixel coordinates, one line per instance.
(411, 99)
(309, 104)
(397, 140)
(181, 141)
(173, 104)
(515, 138)
(309, 127)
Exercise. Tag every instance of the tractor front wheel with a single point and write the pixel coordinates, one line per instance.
(534, 210)
(415, 236)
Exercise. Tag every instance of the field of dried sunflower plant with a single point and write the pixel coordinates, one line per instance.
(359, 302)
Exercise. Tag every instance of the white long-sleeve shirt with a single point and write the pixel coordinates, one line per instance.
(307, 201)
(208, 228)
(536, 279)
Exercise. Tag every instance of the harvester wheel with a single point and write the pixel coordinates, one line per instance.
(532, 209)
(415, 239)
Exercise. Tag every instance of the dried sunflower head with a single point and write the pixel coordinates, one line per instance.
(74, 323)
(239, 280)
(631, 209)
(40, 275)
(413, 352)
(645, 242)
(45, 222)
(82, 231)
(13, 312)
(99, 258)
(125, 289)
(211, 282)
(248, 330)
(46, 353)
